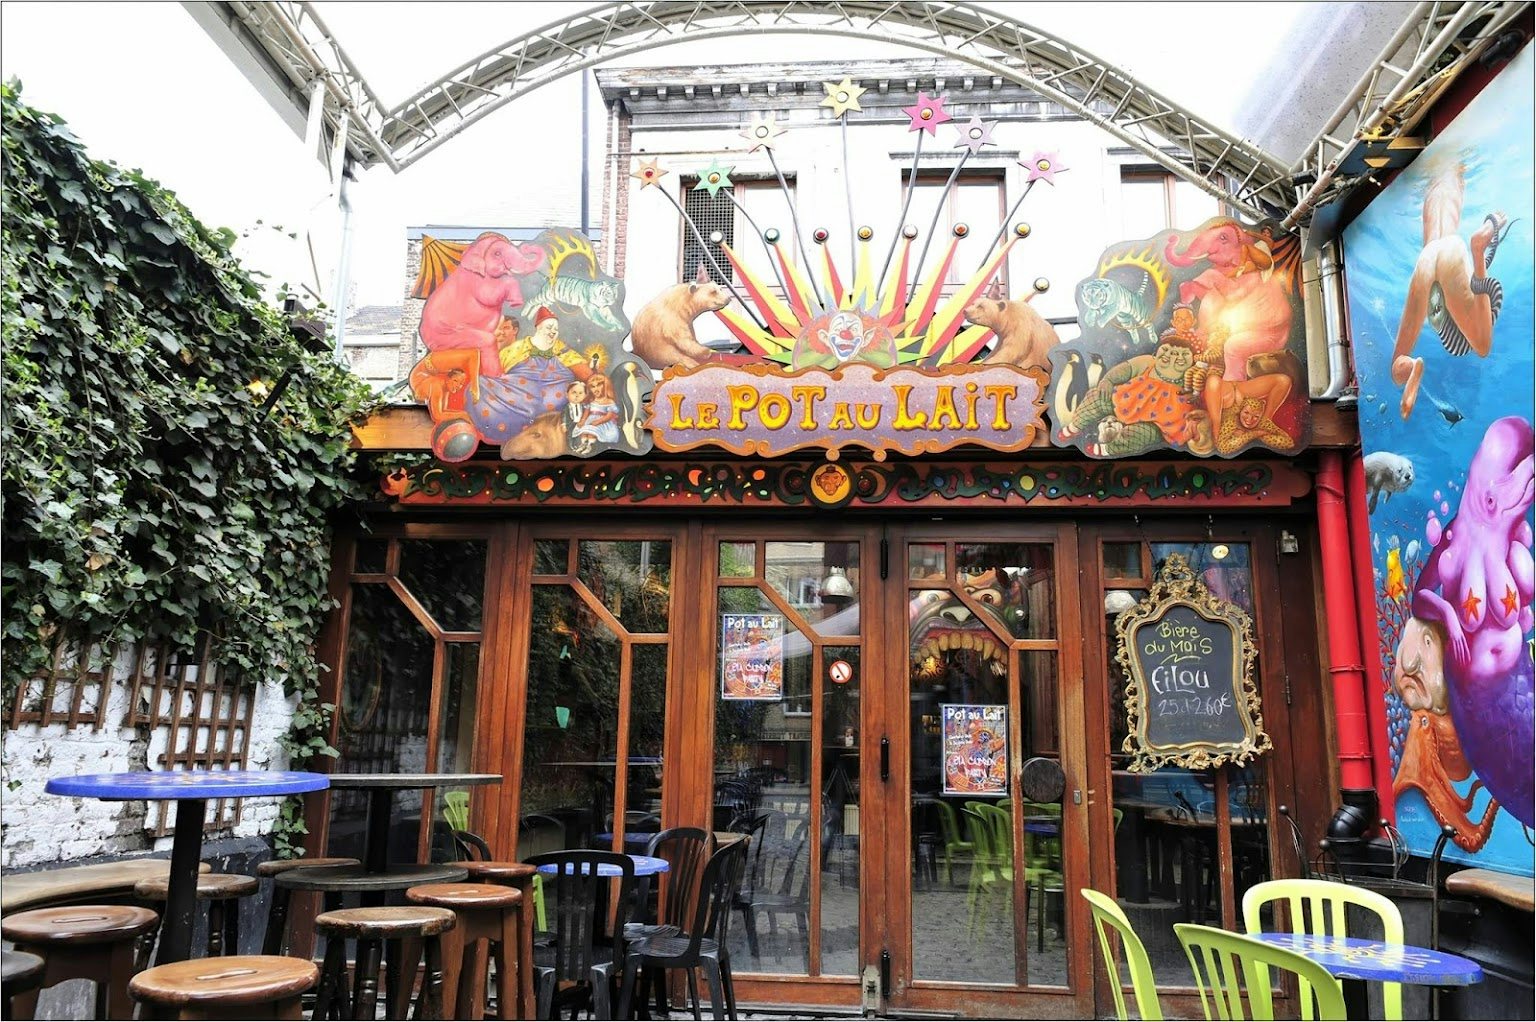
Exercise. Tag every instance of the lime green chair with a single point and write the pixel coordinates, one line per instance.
(990, 870)
(1219, 959)
(954, 846)
(456, 809)
(1106, 912)
(1317, 907)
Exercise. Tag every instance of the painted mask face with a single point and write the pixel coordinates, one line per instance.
(545, 336)
(1173, 361)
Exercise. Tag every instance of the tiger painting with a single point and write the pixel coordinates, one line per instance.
(594, 298)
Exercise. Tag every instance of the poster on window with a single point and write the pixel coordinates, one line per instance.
(752, 657)
(975, 749)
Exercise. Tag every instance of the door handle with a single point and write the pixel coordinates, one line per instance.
(885, 759)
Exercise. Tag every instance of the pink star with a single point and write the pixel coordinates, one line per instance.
(927, 114)
(974, 134)
(1043, 167)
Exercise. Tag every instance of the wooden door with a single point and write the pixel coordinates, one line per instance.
(982, 668)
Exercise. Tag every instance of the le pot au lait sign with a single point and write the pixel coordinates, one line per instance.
(764, 410)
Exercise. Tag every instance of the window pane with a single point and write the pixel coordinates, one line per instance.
(448, 577)
(925, 561)
(551, 556)
(1143, 207)
(386, 697)
(368, 556)
(1046, 848)
(1192, 206)
(977, 204)
(647, 734)
(713, 214)
(764, 203)
(840, 762)
(1013, 582)
(820, 580)
(632, 578)
(570, 730)
(763, 787)
(738, 560)
(1122, 560)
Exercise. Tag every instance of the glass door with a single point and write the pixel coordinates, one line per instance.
(792, 613)
(988, 817)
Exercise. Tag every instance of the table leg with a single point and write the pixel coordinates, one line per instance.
(1357, 998)
(181, 893)
(381, 804)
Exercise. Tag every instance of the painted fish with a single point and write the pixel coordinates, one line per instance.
(1397, 582)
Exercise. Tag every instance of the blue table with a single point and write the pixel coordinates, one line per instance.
(645, 865)
(1357, 961)
(190, 790)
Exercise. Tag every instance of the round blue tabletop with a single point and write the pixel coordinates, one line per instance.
(645, 865)
(1374, 960)
(175, 785)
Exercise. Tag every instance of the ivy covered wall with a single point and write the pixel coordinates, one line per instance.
(172, 450)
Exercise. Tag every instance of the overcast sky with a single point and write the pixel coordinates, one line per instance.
(141, 84)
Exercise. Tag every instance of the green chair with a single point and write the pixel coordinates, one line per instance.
(989, 870)
(456, 809)
(949, 830)
(1227, 963)
(1317, 907)
(1106, 912)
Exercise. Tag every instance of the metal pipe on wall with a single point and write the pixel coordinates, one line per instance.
(1358, 811)
(1365, 603)
(1331, 286)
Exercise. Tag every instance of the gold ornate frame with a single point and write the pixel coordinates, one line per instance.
(1177, 585)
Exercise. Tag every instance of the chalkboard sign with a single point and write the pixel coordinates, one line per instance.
(1190, 700)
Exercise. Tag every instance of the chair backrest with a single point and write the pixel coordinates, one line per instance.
(686, 849)
(980, 832)
(456, 809)
(718, 890)
(1001, 822)
(948, 825)
(1319, 908)
(1107, 913)
(1225, 964)
(575, 888)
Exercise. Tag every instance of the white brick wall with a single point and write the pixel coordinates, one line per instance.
(37, 828)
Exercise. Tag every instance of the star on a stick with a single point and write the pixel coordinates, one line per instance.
(647, 173)
(842, 96)
(760, 131)
(1043, 167)
(974, 134)
(713, 178)
(926, 114)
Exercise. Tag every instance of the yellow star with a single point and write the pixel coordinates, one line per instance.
(647, 173)
(843, 96)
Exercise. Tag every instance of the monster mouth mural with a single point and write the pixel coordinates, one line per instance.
(944, 626)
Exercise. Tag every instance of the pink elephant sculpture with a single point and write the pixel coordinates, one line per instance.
(463, 312)
(1244, 308)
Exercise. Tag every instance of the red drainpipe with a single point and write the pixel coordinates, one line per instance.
(1370, 631)
(1358, 813)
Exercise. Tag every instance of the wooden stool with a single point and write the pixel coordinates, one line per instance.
(230, 987)
(486, 912)
(275, 940)
(22, 973)
(94, 942)
(415, 928)
(521, 876)
(218, 890)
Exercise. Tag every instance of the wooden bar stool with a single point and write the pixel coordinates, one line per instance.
(230, 987)
(417, 931)
(275, 942)
(94, 942)
(521, 876)
(486, 912)
(219, 890)
(22, 973)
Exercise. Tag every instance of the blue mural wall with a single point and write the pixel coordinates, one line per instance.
(1440, 290)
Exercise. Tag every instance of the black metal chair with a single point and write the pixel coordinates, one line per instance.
(575, 968)
(703, 945)
(687, 850)
(776, 892)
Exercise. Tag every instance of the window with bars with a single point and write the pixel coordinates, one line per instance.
(757, 202)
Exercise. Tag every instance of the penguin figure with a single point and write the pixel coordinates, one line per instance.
(631, 409)
(1095, 370)
(1070, 388)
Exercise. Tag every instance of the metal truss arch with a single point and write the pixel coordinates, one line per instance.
(1232, 169)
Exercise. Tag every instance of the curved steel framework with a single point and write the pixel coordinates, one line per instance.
(299, 50)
